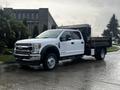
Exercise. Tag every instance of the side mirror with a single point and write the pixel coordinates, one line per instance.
(68, 37)
(62, 39)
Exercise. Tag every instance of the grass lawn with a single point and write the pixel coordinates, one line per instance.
(113, 49)
(6, 58)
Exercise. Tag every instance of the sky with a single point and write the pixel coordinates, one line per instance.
(97, 13)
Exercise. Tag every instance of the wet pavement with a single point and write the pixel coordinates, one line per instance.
(85, 74)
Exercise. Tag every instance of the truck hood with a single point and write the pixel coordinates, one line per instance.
(32, 41)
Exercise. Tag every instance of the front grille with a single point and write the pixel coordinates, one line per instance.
(23, 44)
(23, 52)
(23, 57)
(24, 49)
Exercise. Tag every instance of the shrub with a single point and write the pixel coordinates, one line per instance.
(7, 51)
(2, 47)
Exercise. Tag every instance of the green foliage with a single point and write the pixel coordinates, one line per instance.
(2, 47)
(35, 31)
(54, 26)
(45, 27)
(112, 29)
(8, 51)
(113, 49)
(25, 22)
(113, 26)
(2, 44)
(7, 58)
(106, 33)
(11, 30)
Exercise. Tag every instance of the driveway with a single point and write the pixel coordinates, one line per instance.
(86, 74)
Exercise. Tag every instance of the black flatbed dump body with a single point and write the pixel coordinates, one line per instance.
(94, 42)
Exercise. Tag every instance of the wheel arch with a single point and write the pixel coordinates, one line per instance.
(50, 49)
(98, 49)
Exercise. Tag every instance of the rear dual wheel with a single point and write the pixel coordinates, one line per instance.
(100, 54)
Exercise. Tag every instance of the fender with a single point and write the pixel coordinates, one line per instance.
(48, 49)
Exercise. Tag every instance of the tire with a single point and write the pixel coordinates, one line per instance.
(50, 61)
(100, 54)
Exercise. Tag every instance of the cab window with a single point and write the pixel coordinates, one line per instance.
(66, 36)
(75, 35)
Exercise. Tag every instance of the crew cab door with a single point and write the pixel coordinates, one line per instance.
(77, 43)
(71, 43)
(65, 44)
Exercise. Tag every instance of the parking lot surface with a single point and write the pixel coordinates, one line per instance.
(87, 74)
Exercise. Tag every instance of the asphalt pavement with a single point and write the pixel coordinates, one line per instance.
(87, 74)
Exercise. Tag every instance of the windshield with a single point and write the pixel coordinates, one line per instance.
(49, 34)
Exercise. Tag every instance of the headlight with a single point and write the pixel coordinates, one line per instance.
(36, 48)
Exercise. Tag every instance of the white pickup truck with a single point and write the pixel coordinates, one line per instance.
(53, 45)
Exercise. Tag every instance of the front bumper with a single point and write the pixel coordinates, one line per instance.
(32, 59)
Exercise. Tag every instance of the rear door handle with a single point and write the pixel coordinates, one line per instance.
(82, 42)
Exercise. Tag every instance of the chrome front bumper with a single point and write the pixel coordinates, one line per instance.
(31, 57)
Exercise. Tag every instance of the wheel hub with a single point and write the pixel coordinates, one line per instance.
(51, 62)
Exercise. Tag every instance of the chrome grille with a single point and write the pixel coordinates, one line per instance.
(23, 49)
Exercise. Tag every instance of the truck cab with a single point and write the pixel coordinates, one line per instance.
(49, 47)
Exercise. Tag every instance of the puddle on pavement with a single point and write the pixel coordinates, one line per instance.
(8, 67)
(16, 68)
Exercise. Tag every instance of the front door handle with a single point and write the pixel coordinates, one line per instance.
(72, 42)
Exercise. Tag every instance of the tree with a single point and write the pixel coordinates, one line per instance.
(45, 27)
(25, 22)
(10, 28)
(35, 31)
(6, 33)
(54, 26)
(112, 28)
(107, 33)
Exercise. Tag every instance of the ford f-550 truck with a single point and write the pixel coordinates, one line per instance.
(58, 44)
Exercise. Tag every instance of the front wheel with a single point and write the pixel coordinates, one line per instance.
(50, 61)
(100, 54)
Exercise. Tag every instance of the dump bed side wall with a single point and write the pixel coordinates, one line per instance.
(100, 42)
(97, 42)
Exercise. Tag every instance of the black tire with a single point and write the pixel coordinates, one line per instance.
(50, 61)
(100, 54)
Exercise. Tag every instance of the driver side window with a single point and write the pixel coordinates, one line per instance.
(65, 36)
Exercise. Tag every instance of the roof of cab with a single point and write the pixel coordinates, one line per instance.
(64, 29)
(76, 26)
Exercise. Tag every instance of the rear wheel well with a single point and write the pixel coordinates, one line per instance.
(98, 49)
